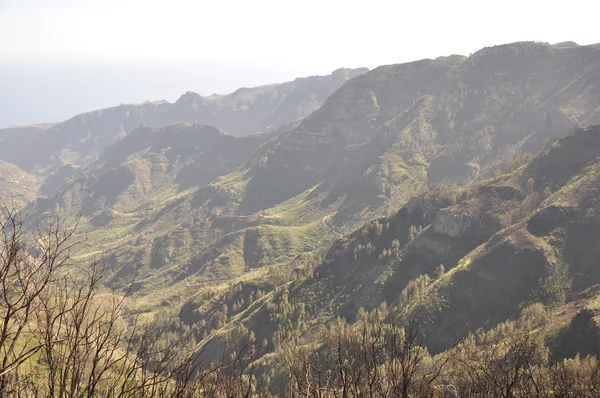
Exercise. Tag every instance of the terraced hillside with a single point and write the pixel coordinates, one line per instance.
(459, 193)
(383, 136)
(123, 201)
(457, 261)
(17, 187)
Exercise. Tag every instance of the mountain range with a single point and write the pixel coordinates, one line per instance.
(43, 148)
(455, 190)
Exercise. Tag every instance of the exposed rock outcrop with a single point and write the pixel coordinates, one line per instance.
(550, 218)
(427, 205)
(582, 336)
(453, 223)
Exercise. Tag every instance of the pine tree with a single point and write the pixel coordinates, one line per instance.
(412, 231)
(439, 271)
(395, 248)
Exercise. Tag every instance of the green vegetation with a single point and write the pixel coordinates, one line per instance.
(433, 194)
(17, 187)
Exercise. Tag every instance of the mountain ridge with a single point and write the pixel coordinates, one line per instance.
(459, 262)
(81, 139)
(377, 140)
(310, 211)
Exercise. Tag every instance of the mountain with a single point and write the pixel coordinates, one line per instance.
(266, 108)
(523, 237)
(148, 203)
(457, 261)
(449, 120)
(136, 180)
(17, 187)
(150, 159)
(81, 139)
(333, 168)
(459, 193)
(381, 137)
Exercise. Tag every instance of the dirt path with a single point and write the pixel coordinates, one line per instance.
(335, 231)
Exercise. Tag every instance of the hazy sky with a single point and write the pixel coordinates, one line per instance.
(330, 33)
(218, 45)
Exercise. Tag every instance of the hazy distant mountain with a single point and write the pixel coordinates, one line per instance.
(45, 88)
(81, 139)
(265, 108)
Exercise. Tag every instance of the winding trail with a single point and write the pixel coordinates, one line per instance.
(335, 231)
(188, 284)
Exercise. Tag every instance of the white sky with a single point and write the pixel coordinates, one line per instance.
(316, 34)
(62, 57)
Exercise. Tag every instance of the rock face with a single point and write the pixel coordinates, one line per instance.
(582, 336)
(550, 218)
(452, 223)
(427, 205)
(427, 243)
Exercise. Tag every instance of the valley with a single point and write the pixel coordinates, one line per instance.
(457, 193)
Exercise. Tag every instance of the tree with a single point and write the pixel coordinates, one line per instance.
(26, 279)
(499, 369)
(439, 271)
(370, 358)
(412, 232)
(59, 338)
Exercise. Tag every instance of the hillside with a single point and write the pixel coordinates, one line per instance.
(81, 139)
(122, 200)
(380, 138)
(17, 187)
(525, 237)
(458, 194)
(449, 120)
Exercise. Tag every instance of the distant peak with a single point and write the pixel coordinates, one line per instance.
(566, 44)
(349, 73)
(189, 97)
(157, 102)
(510, 49)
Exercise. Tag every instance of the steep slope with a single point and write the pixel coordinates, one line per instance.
(80, 140)
(459, 262)
(523, 237)
(17, 187)
(398, 128)
(136, 201)
(380, 138)
(549, 254)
